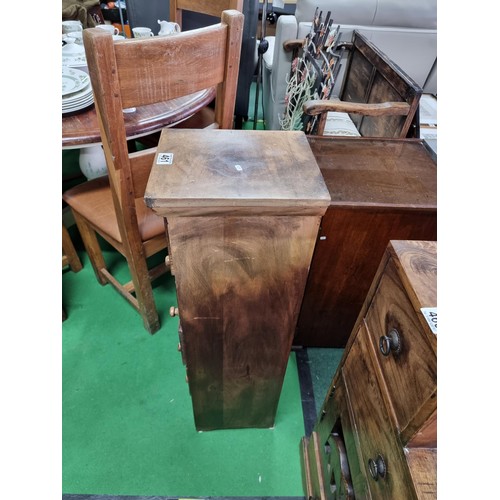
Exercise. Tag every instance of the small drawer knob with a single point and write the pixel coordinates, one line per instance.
(377, 467)
(390, 343)
(174, 311)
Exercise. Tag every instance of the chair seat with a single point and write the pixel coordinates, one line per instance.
(338, 123)
(93, 200)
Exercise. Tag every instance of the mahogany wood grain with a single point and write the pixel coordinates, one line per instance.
(366, 392)
(240, 282)
(243, 210)
(238, 172)
(381, 189)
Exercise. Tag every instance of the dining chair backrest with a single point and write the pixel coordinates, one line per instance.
(209, 7)
(145, 71)
(132, 74)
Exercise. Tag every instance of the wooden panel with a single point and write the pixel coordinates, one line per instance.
(370, 418)
(349, 247)
(236, 171)
(411, 374)
(240, 282)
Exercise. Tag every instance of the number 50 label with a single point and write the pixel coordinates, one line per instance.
(431, 315)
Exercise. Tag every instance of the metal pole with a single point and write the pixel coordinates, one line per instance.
(263, 45)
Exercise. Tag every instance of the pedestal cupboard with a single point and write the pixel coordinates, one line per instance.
(375, 436)
(242, 211)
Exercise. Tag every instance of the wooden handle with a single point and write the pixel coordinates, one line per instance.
(318, 106)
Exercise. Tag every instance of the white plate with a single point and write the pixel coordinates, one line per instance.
(73, 80)
(79, 96)
(77, 107)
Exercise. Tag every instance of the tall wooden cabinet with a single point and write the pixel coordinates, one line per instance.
(242, 210)
(375, 436)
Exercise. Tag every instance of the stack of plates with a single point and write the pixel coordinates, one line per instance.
(76, 90)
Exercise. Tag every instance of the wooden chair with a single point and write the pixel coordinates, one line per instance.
(378, 97)
(134, 73)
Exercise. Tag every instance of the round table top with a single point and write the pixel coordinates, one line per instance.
(81, 128)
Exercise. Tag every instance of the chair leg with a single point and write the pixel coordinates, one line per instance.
(71, 257)
(144, 293)
(91, 243)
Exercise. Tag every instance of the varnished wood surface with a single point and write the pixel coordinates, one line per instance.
(377, 172)
(239, 281)
(417, 267)
(411, 374)
(237, 172)
(381, 189)
(371, 421)
(81, 129)
(423, 468)
(368, 389)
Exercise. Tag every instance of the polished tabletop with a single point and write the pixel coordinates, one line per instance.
(81, 129)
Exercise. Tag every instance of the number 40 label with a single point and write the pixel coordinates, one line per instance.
(431, 315)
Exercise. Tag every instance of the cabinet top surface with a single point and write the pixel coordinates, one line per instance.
(377, 172)
(417, 265)
(235, 169)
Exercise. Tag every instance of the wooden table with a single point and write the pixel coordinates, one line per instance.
(81, 128)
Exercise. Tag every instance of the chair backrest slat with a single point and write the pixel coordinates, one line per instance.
(163, 68)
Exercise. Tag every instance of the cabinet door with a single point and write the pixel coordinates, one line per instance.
(408, 361)
(381, 455)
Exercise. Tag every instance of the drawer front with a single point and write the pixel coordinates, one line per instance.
(404, 353)
(381, 455)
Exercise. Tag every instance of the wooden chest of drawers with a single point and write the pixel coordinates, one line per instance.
(381, 190)
(375, 436)
(243, 210)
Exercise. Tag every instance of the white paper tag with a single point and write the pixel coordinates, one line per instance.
(279, 4)
(431, 315)
(165, 159)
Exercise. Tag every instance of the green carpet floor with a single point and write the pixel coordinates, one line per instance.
(127, 418)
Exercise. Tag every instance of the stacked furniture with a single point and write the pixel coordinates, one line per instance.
(375, 436)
